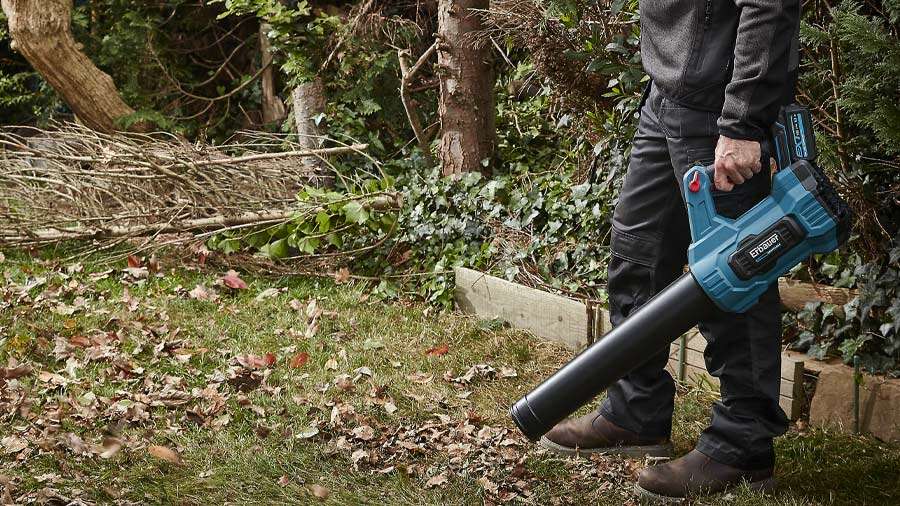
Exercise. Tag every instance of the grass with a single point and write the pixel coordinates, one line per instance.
(294, 435)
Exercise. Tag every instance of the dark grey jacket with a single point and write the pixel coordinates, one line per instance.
(735, 57)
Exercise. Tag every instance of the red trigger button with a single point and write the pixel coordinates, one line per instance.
(694, 185)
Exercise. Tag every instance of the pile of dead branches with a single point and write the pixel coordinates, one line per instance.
(550, 42)
(72, 183)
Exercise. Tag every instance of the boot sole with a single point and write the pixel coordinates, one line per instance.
(647, 497)
(661, 450)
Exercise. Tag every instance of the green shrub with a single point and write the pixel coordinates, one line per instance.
(868, 325)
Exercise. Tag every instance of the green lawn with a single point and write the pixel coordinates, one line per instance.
(300, 391)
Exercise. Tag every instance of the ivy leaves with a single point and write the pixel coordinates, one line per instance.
(354, 212)
(868, 325)
(326, 219)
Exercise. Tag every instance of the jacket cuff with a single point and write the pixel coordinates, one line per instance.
(734, 129)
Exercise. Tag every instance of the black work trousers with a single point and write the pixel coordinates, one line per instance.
(650, 236)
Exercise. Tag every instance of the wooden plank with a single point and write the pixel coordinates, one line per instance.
(695, 358)
(791, 389)
(816, 366)
(692, 372)
(792, 406)
(695, 340)
(602, 325)
(674, 348)
(795, 294)
(791, 368)
(547, 315)
(792, 384)
(699, 375)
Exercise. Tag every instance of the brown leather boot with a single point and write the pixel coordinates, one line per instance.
(594, 434)
(696, 474)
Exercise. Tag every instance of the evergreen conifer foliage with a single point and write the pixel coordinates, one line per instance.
(850, 77)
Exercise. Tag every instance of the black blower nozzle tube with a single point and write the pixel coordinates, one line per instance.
(648, 330)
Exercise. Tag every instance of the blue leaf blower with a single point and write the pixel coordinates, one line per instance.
(732, 262)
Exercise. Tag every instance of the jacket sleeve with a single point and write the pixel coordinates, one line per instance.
(762, 55)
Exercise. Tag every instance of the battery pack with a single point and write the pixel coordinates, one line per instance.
(793, 136)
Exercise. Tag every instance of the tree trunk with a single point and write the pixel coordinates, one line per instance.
(309, 104)
(466, 106)
(41, 32)
(272, 106)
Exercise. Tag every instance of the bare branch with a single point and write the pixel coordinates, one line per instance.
(408, 74)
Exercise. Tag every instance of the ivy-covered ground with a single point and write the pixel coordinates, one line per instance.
(175, 382)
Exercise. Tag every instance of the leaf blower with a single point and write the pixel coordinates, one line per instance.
(732, 262)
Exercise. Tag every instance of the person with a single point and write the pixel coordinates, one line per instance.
(719, 72)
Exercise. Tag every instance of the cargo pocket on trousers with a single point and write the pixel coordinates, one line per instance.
(633, 248)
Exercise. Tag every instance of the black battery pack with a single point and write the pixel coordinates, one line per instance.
(793, 135)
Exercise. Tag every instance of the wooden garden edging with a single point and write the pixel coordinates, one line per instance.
(795, 294)
(577, 323)
(547, 315)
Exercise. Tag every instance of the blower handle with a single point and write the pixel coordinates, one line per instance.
(700, 205)
(793, 139)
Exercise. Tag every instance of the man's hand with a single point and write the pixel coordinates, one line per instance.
(736, 161)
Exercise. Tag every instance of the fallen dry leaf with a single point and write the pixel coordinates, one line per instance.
(15, 371)
(134, 262)
(13, 444)
(164, 453)
(137, 272)
(201, 292)
(358, 456)
(508, 372)
(420, 377)
(307, 433)
(342, 275)
(233, 281)
(266, 294)
(319, 491)
(251, 361)
(53, 378)
(111, 446)
(80, 341)
(438, 350)
(364, 432)
(437, 481)
(299, 360)
(477, 370)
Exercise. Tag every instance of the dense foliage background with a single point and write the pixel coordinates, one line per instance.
(568, 84)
